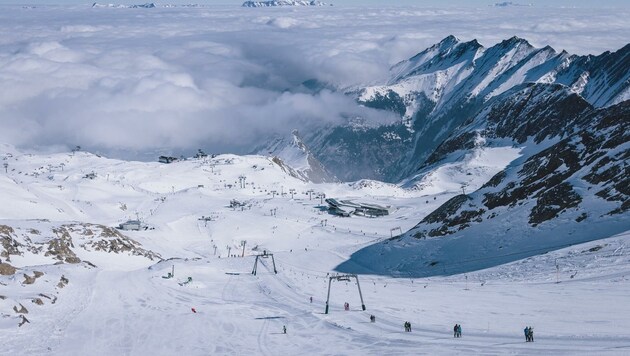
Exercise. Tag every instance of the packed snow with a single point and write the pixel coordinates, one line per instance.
(121, 303)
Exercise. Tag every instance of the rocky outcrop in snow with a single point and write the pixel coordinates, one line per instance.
(65, 242)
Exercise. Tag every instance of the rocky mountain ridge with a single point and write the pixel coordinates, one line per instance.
(447, 85)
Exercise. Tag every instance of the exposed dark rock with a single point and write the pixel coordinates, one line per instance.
(9, 245)
(30, 280)
(22, 309)
(63, 281)
(6, 269)
(554, 201)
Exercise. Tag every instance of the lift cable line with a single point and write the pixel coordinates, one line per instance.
(264, 255)
(346, 278)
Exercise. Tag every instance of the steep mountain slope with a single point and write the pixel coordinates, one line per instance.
(446, 85)
(297, 159)
(560, 192)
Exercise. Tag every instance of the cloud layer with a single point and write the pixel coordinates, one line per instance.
(127, 81)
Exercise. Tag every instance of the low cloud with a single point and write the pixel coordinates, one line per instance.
(127, 81)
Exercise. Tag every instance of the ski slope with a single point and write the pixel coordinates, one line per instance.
(120, 304)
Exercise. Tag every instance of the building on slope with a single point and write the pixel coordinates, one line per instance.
(347, 207)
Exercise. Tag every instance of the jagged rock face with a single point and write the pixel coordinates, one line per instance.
(591, 164)
(353, 153)
(450, 84)
(571, 187)
(536, 112)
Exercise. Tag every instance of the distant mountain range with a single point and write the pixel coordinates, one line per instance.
(283, 3)
(444, 86)
(566, 117)
(510, 4)
(139, 6)
(149, 5)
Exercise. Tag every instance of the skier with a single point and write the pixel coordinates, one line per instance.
(526, 331)
(459, 330)
(284, 329)
(455, 330)
(372, 318)
(311, 299)
(531, 334)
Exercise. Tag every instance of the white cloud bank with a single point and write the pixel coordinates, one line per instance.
(137, 80)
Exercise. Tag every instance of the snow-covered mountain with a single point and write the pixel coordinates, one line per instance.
(445, 85)
(297, 159)
(570, 185)
(283, 3)
(185, 284)
(148, 5)
(510, 4)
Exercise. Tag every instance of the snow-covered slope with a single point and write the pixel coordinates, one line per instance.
(70, 284)
(555, 194)
(298, 159)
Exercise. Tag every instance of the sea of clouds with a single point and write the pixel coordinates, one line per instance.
(132, 82)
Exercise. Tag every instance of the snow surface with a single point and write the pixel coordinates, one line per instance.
(124, 306)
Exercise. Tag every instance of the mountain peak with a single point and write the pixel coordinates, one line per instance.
(515, 40)
(449, 40)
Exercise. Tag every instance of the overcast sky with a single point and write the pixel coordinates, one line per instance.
(128, 81)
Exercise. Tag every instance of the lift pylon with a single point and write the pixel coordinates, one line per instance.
(264, 255)
(342, 278)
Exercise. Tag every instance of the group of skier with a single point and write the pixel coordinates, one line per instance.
(457, 330)
(529, 334)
